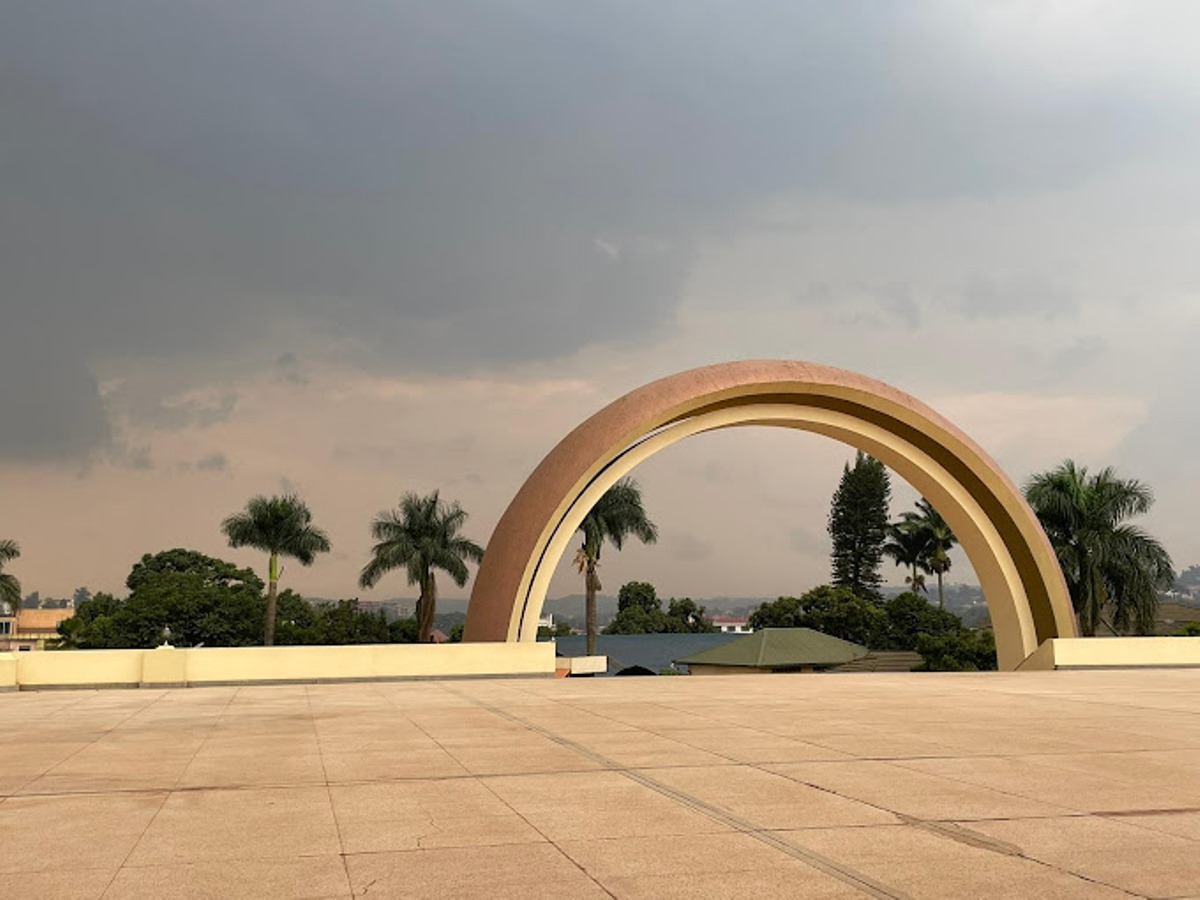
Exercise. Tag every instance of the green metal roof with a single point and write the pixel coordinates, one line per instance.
(779, 648)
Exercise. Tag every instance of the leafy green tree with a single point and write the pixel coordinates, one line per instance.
(639, 611)
(858, 520)
(638, 593)
(92, 625)
(782, 613)
(10, 587)
(202, 600)
(908, 546)
(195, 610)
(618, 514)
(278, 526)
(188, 562)
(296, 620)
(638, 620)
(403, 631)
(836, 611)
(180, 595)
(957, 651)
(1113, 569)
(420, 537)
(560, 629)
(940, 540)
(910, 615)
(343, 622)
(690, 616)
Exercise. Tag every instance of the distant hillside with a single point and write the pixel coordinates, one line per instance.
(964, 600)
(571, 609)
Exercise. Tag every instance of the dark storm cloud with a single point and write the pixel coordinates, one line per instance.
(448, 185)
(49, 401)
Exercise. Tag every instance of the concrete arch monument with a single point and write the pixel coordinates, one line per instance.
(1024, 587)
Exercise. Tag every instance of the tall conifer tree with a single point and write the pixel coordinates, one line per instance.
(858, 520)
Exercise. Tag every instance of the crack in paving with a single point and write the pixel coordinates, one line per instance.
(962, 835)
(843, 873)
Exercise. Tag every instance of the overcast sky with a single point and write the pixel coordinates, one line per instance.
(354, 249)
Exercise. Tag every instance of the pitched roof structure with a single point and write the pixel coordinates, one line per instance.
(779, 648)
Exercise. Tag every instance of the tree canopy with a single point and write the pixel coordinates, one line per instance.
(921, 541)
(177, 596)
(618, 514)
(639, 611)
(939, 541)
(1113, 569)
(638, 593)
(179, 561)
(908, 546)
(421, 536)
(10, 587)
(189, 599)
(858, 520)
(906, 622)
(278, 526)
(836, 611)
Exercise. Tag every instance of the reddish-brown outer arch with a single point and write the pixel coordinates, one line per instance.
(1024, 587)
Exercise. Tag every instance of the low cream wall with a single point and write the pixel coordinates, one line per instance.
(581, 665)
(215, 664)
(223, 665)
(100, 668)
(1114, 652)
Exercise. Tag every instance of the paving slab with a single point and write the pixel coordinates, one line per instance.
(1107, 851)
(941, 864)
(58, 884)
(520, 872)
(251, 823)
(307, 878)
(1023, 785)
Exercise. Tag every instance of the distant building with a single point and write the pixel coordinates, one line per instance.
(732, 624)
(29, 629)
(774, 650)
(642, 654)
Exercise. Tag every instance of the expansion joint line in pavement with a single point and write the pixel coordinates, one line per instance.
(834, 869)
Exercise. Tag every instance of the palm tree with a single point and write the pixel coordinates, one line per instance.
(419, 537)
(1110, 566)
(279, 526)
(908, 546)
(940, 540)
(617, 514)
(10, 588)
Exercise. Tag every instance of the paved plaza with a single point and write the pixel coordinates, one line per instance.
(1026, 785)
